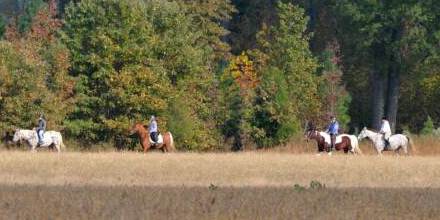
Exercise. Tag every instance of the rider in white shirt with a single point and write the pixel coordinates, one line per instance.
(385, 129)
(153, 130)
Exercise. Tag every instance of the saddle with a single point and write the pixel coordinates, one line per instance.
(327, 138)
(42, 134)
(386, 144)
(159, 139)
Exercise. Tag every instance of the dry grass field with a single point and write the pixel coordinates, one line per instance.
(249, 185)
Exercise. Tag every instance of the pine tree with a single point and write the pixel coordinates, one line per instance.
(390, 39)
(238, 83)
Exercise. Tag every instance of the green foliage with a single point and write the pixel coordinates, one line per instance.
(190, 132)
(2, 26)
(286, 89)
(26, 90)
(34, 77)
(132, 58)
(335, 99)
(274, 117)
(342, 110)
(287, 95)
(314, 185)
(238, 83)
(428, 127)
(30, 10)
(289, 51)
(248, 21)
(387, 37)
(208, 18)
(120, 79)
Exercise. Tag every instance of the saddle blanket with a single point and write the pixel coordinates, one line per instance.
(159, 139)
(338, 138)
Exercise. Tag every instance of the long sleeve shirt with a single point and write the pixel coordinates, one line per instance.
(333, 128)
(41, 124)
(385, 128)
(153, 126)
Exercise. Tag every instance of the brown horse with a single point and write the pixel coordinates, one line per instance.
(344, 145)
(144, 137)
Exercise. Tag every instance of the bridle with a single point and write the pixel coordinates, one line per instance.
(310, 133)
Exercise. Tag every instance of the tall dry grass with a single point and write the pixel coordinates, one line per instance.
(117, 202)
(241, 169)
(250, 185)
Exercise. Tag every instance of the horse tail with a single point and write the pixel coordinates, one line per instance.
(172, 147)
(411, 144)
(355, 144)
(63, 147)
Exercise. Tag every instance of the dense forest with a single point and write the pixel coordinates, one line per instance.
(219, 74)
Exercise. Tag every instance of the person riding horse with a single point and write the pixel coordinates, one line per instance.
(333, 130)
(41, 128)
(385, 130)
(152, 128)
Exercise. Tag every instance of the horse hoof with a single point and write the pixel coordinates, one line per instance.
(329, 153)
(318, 154)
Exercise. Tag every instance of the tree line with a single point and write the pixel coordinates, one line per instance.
(219, 74)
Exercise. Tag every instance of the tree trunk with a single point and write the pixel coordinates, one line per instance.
(393, 96)
(378, 81)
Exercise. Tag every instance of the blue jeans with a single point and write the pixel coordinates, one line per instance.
(332, 141)
(154, 136)
(40, 135)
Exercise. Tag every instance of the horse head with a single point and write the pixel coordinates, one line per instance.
(7, 137)
(136, 128)
(363, 134)
(312, 134)
(309, 129)
(17, 136)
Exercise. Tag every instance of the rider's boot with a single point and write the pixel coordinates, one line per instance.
(330, 150)
(386, 144)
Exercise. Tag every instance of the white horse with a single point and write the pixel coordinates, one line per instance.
(50, 138)
(397, 141)
(353, 139)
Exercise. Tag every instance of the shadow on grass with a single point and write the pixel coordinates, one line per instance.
(93, 202)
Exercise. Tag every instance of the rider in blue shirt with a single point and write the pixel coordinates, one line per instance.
(41, 128)
(333, 130)
(153, 129)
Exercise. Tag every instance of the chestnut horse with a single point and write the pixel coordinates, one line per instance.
(166, 146)
(344, 144)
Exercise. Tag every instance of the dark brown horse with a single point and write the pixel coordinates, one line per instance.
(344, 144)
(144, 137)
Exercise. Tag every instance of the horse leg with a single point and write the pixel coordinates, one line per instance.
(379, 151)
(161, 147)
(166, 148)
(405, 149)
(58, 147)
(353, 150)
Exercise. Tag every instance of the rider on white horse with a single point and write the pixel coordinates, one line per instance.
(385, 130)
(152, 128)
(332, 130)
(41, 128)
